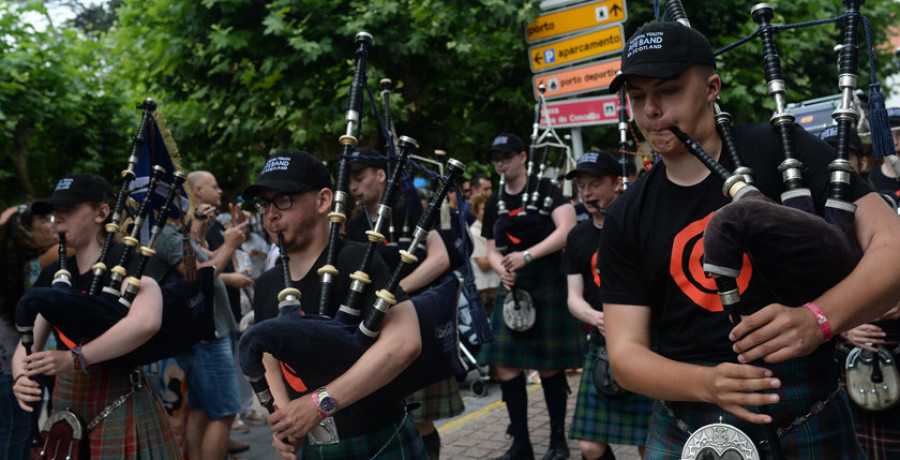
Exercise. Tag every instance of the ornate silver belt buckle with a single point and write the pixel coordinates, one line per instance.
(325, 434)
(719, 441)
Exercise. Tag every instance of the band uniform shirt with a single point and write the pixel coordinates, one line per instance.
(580, 258)
(350, 253)
(359, 223)
(651, 247)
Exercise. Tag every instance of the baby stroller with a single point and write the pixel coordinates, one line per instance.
(468, 348)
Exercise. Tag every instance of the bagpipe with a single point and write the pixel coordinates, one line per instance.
(318, 348)
(532, 223)
(82, 317)
(797, 253)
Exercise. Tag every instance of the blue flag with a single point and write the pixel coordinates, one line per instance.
(154, 152)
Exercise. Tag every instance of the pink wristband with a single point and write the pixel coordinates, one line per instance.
(824, 325)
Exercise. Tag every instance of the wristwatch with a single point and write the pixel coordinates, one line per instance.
(527, 256)
(326, 405)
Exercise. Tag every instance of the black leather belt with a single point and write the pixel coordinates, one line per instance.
(355, 422)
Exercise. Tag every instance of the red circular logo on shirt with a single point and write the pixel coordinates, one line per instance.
(686, 267)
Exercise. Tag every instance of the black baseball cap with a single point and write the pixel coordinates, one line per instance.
(597, 163)
(507, 143)
(663, 50)
(290, 171)
(358, 161)
(894, 115)
(73, 189)
(830, 136)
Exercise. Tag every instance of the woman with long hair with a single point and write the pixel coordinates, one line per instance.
(86, 386)
(24, 236)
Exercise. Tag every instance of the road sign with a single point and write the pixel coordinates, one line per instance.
(594, 14)
(602, 110)
(576, 49)
(577, 80)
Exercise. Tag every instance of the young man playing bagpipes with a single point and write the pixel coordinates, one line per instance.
(604, 413)
(368, 177)
(294, 196)
(667, 335)
(555, 341)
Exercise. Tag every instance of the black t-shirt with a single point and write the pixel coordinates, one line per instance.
(514, 205)
(580, 258)
(883, 183)
(350, 253)
(652, 244)
(452, 238)
(270, 283)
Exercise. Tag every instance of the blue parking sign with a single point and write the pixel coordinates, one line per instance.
(549, 55)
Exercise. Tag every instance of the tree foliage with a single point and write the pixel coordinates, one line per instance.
(57, 111)
(238, 78)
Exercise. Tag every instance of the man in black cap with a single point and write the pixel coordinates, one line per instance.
(530, 263)
(654, 288)
(368, 180)
(292, 193)
(600, 418)
(886, 178)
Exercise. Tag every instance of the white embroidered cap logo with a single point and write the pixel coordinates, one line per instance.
(276, 164)
(64, 184)
(645, 41)
(500, 140)
(588, 157)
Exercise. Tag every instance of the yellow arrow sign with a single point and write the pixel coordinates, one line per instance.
(561, 22)
(577, 48)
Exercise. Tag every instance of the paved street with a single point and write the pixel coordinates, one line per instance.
(479, 433)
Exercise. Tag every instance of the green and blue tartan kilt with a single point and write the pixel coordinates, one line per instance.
(138, 429)
(436, 401)
(805, 381)
(878, 432)
(557, 340)
(607, 419)
(396, 441)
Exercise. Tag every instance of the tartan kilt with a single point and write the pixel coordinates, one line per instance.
(437, 401)
(138, 429)
(407, 444)
(557, 340)
(606, 419)
(805, 381)
(878, 432)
